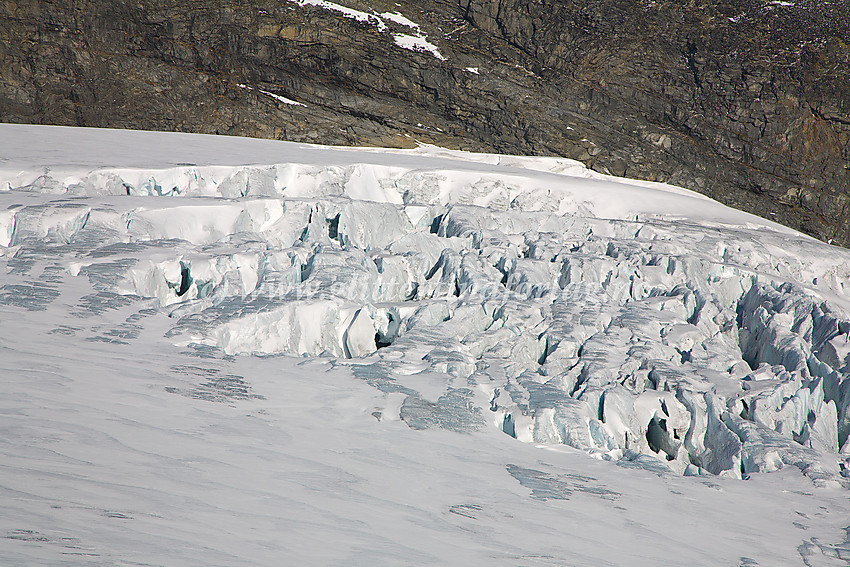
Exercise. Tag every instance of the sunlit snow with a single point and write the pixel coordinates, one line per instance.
(224, 351)
(398, 18)
(417, 43)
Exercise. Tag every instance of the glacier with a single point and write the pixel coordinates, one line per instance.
(553, 325)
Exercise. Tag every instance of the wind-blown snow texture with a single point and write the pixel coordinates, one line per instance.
(409, 313)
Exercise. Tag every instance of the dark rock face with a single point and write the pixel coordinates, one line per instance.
(747, 101)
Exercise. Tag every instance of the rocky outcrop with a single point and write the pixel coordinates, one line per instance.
(746, 101)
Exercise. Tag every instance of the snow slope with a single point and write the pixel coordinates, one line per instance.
(223, 351)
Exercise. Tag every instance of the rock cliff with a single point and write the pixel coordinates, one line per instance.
(747, 101)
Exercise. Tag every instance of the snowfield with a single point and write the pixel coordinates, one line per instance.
(225, 351)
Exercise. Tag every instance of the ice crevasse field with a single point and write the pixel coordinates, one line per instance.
(226, 351)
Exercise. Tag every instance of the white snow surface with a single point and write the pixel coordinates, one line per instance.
(226, 351)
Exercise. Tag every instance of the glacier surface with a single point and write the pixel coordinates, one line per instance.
(225, 303)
